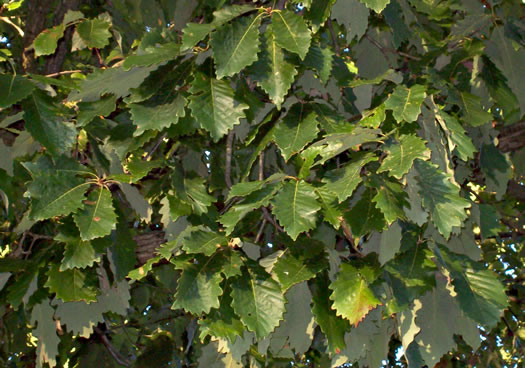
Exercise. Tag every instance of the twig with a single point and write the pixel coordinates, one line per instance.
(334, 37)
(348, 236)
(64, 72)
(261, 166)
(228, 168)
(381, 48)
(384, 50)
(260, 232)
(270, 219)
(155, 146)
(111, 349)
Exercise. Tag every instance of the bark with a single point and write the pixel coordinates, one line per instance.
(37, 21)
(512, 137)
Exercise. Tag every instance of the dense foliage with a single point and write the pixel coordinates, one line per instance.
(262, 183)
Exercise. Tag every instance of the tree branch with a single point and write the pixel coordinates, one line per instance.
(348, 235)
(229, 152)
(111, 349)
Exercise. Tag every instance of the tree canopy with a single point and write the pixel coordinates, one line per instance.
(222, 183)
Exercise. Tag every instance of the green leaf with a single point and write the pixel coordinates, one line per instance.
(401, 155)
(405, 103)
(45, 121)
(291, 32)
(473, 113)
(343, 181)
(78, 254)
(231, 262)
(364, 216)
(376, 5)
(157, 117)
(117, 81)
(46, 42)
(214, 106)
(71, 285)
(139, 168)
(332, 212)
(55, 194)
(194, 32)
(254, 200)
(14, 88)
(292, 269)
(235, 45)
(332, 326)
(337, 143)
(203, 241)
(153, 55)
(480, 294)
(258, 301)
(46, 333)
(272, 72)
(296, 130)
(94, 32)
(98, 217)
(509, 60)
(222, 321)
(351, 295)
(198, 288)
(440, 197)
(321, 60)
(90, 110)
(295, 207)
(319, 13)
(390, 199)
(457, 135)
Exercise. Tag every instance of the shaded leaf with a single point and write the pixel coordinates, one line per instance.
(343, 181)
(203, 241)
(258, 301)
(440, 197)
(235, 45)
(45, 121)
(117, 81)
(198, 288)
(55, 194)
(295, 207)
(14, 88)
(153, 55)
(71, 285)
(291, 33)
(45, 332)
(94, 32)
(332, 326)
(98, 217)
(364, 216)
(296, 130)
(157, 117)
(214, 106)
(272, 72)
